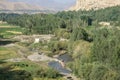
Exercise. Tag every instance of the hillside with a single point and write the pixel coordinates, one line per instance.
(94, 4)
(6, 5)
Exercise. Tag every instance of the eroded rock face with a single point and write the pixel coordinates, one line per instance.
(94, 4)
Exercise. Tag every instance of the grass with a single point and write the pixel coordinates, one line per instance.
(3, 48)
(33, 68)
(8, 52)
(18, 29)
(29, 67)
(3, 24)
(8, 31)
(48, 79)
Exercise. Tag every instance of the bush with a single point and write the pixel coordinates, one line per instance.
(47, 73)
(58, 45)
(78, 34)
(97, 72)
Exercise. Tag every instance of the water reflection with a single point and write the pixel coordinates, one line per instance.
(57, 66)
(65, 58)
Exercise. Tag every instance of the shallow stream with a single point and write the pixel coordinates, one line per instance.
(57, 65)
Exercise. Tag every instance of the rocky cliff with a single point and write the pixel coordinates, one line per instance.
(94, 4)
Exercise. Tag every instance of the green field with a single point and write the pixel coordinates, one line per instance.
(8, 31)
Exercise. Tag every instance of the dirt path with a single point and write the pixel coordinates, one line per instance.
(39, 57)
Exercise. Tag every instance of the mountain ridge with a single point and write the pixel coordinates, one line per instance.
(57, 5)
(6, 5)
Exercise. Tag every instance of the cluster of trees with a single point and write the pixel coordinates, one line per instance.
(79, 33)
(103, 63)
(48, 23)
(36, 23)
(107, 14)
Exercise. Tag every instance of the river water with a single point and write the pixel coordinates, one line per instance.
(65, 57)
(57, 66)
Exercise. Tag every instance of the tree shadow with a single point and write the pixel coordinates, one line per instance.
(5, 42)
(7, 73)
(2, 62)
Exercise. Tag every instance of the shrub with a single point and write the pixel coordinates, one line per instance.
(78, 34)
(47, 73)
